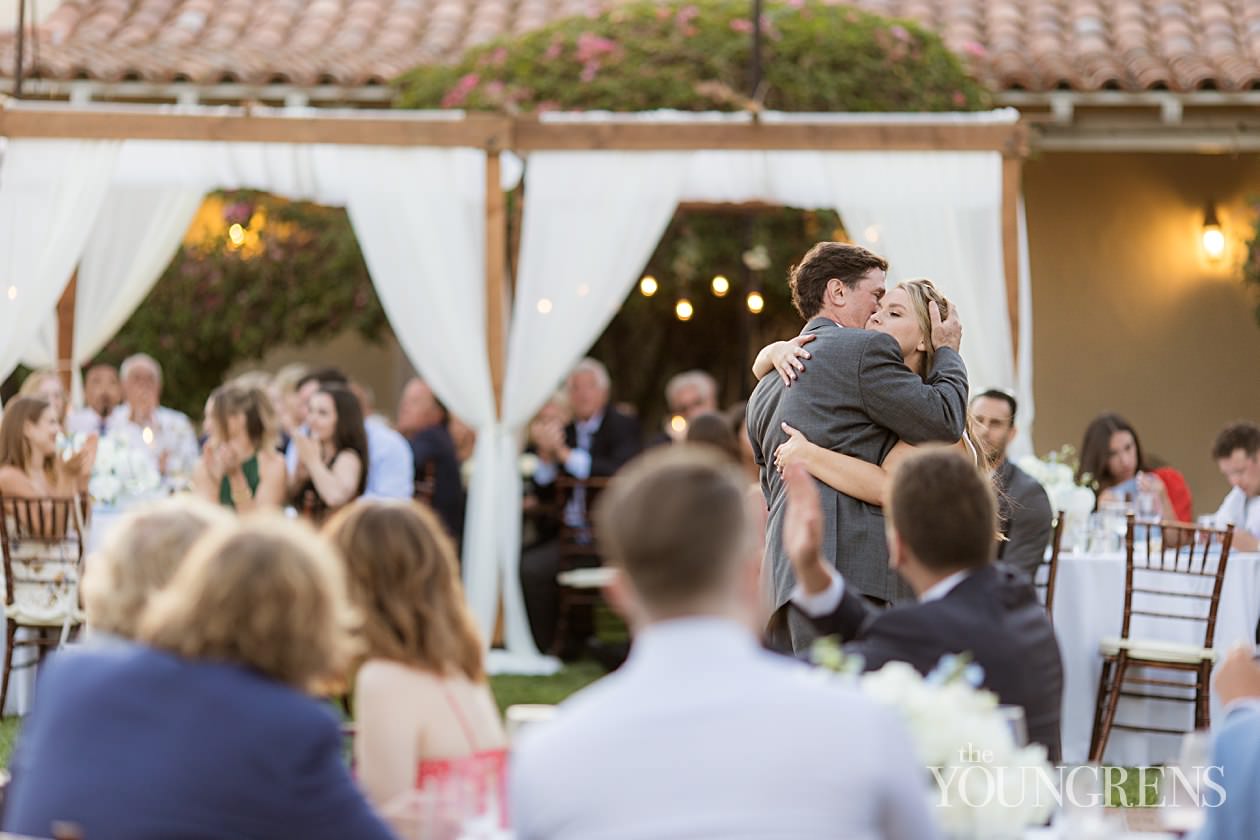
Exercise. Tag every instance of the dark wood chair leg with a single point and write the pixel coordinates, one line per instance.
(10, 634)
(1109, 717)
(1203, 696)
(1100, 703)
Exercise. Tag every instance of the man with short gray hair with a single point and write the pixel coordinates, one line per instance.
(164, 433)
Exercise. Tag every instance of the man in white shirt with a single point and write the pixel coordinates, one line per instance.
(102, 391)
(147, 426)
(702, 733)
(1237, 453)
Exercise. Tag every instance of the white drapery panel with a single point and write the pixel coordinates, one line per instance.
(133, 240)
(50, 192)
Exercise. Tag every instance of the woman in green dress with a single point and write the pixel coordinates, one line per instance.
(239, 466)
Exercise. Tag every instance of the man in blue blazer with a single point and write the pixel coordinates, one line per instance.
(130, 742)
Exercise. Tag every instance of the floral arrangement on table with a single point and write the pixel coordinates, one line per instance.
(984, 784)
(1057, 474)
(120, 472)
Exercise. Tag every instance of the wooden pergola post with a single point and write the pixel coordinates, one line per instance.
(1012, 176)
(496, 297)
(65, 332)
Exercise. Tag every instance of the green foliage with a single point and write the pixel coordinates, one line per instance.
(817, 56)
(1251, 265)
(646, 344)
(297, 277)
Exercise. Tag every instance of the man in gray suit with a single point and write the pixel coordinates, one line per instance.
(858, 398)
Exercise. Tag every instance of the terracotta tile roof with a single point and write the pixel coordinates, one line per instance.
(1036, 45)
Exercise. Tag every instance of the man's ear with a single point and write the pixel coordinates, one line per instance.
(624, 600)
(835, 292)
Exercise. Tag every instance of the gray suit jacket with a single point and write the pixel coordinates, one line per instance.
(857, 397)
(1026, 519)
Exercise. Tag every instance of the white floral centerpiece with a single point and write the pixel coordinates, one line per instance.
(984, 786)
(120, 472)
(1057, 474)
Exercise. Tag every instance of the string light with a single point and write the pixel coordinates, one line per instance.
(720, 286)
(756, 303)
(648, 286)
(678, 423)
(544, 306)
(684, 310)
(236, 233)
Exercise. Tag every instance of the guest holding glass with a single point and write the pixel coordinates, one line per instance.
(147, 426)
(29, 464)
(206, 728)
(239, 465)
(333, 457)
(1112, 455)
(425, 715)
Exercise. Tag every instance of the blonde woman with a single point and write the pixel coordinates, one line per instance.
(239, 466)
(206, 729)
(140, 556)
(904, 313)
(424, 711)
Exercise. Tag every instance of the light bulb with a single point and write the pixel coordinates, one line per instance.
(720, 286)
(1213, 241)
(678, 423)
(236, 233)
(756, 303)
(684, 310)
(648, 286)
(544, 306)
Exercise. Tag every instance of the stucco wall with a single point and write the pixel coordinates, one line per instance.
(1128, 314)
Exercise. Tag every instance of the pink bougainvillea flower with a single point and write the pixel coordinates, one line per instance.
(960, 98)
(458, 95)
(686, 15)
(494, 89)
(663, 12)
(547, 105)
(499, 57)
(589, 69)
(741, 25)
(591, 46)
(974, 49)
(900, 33)
(796, 4)
(554, 50)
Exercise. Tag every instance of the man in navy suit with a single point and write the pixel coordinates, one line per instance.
(138, 744)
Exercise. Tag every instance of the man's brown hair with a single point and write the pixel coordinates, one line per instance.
(1242, 435)
(944, 509)
(825, 262)
(673, 522)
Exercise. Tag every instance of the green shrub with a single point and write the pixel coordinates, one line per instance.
(817, 56)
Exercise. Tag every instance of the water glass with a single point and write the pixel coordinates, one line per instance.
(1148, 507)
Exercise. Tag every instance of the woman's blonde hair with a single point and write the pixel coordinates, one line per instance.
(266, 593)
(140, 557)
(923, 292)
(253, 403)
(404, 579)
(15, 451)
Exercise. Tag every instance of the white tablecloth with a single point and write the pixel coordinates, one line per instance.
(1089, 605)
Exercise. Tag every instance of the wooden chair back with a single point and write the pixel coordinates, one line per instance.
(1158, 557)
(1047, 572)
(577, 540)
(42, 544)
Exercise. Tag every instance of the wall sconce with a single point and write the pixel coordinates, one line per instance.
(1213, 237)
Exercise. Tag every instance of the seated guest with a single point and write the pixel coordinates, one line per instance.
(239, 465)
(47, 384)
(102, 392)
(206, 730)
(1234, 808)
(687, 395)
(424, 421)
(941, 519)
(1112, 455)
(146, 425)
(139, 558)
(422, 705)
(390, 474)
(333, 457)
(1237, 453)
(595, 444)
(713, 429)
(1024, 513)
(29, 464)
(779, 747)
(290, 408)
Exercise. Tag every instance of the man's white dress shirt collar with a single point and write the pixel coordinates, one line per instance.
(826, 602)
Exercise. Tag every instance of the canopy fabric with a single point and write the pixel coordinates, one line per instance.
(591, 221)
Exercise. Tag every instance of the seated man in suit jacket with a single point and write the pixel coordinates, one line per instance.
(942, 520)
(596, 444)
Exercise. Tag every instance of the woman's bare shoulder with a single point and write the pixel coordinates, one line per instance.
(14, 482)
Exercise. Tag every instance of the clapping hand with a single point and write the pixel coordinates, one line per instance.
(307, 448)
(548, 437)
(946, 333)
(80, 463)
(802, 530)
(212, 462)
